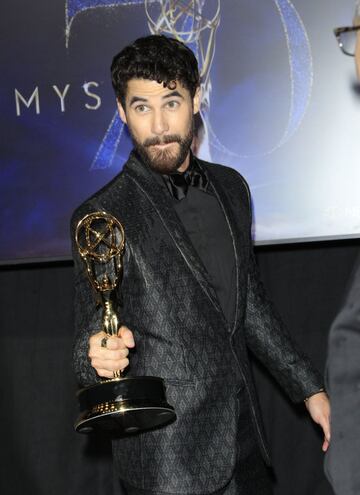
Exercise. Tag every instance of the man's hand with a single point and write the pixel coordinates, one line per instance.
(318, 406)
(113, 357)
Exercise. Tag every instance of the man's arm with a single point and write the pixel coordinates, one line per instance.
(271, 343)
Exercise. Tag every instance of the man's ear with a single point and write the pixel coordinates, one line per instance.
(121, 112)
(196, 100)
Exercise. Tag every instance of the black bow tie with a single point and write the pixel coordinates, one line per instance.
(178, 184)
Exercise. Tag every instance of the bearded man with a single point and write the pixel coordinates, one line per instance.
(192, 304)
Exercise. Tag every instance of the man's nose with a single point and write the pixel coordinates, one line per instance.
(159, 123)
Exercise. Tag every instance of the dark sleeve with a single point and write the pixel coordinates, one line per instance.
(269, 340)
(265, 334)
(87, 313)
(271, 343)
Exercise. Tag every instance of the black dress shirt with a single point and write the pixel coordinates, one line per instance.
(206, 226)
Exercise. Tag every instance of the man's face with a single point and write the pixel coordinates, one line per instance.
(160, 121)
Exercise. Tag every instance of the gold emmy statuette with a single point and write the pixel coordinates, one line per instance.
(119, 406)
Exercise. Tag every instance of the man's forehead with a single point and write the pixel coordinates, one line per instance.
(148, 88)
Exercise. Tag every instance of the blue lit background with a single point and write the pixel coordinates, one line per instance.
(281, 110)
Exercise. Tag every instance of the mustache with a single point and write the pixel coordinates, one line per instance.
(170, 138)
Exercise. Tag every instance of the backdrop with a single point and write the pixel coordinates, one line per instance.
(42, 455)
(278, 105)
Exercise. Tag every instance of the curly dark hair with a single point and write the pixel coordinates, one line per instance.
(156, 58)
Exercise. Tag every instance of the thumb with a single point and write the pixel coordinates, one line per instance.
(127, 336)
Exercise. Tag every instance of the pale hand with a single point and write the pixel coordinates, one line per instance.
(318, 406)
(114, 356)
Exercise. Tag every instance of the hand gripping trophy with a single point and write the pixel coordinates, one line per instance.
(120, 405)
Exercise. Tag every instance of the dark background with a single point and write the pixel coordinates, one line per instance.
(41, 454)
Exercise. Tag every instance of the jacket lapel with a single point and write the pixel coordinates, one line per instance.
(154, 192)
(238, 235)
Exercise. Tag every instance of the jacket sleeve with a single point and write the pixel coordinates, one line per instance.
(87, 313)
(271, 343)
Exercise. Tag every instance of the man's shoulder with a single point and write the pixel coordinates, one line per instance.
(224, 172)
(103, 199)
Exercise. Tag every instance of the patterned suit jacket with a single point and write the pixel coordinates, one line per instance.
(182, 335)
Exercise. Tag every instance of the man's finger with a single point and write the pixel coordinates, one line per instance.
(113, 355)
(127, 336)
(97, 338)
(325, 425)
(325, 445)
(327, 432)
(113, 343)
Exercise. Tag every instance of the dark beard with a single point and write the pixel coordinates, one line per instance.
(164, 161)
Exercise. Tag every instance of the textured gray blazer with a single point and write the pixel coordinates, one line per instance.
(182, 335)
(342, 462)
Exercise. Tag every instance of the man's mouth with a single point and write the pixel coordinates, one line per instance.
(162, 145)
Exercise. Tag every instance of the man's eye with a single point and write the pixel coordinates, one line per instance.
(141, 108)
(173, 104)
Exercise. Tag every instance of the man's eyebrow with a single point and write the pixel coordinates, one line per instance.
(135, 99)
(172, 94)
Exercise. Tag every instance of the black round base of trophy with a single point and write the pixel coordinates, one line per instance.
(124, 406)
